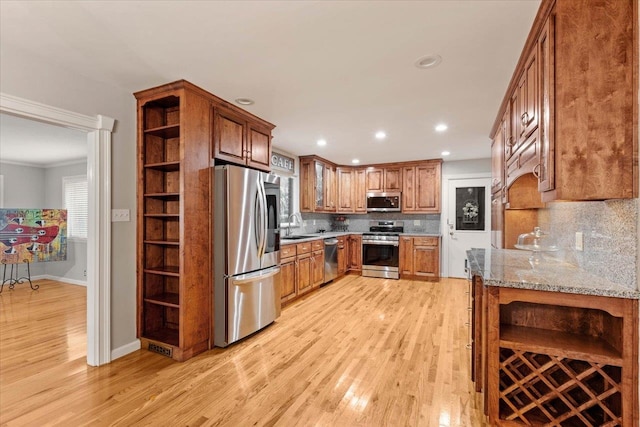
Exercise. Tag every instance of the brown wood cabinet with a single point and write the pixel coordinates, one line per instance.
(327, 188)
(317, 263)
(421, 189)
(354, 252)
(420, 258)
(318, 185)
(351, 190)
(174, 290)
(528, 99)
(497, 158)
(180, 129)
(549, 345)
(573, 102)
(383, 179)
(342, 256)
(304, 272)
(239, 139)
(288, 289)
(301, 269)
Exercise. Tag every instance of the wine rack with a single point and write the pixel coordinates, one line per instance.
(555, 359)
(554, 390)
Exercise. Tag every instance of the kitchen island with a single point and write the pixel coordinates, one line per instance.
(552, 345)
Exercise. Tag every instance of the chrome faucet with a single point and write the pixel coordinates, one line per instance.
(294, 216)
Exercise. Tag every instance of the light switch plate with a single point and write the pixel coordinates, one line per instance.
(579, 241)
(120, 215)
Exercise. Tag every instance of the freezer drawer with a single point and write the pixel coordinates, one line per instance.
(250, 302)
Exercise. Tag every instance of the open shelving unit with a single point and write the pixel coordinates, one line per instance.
(174, 152)
(562, 359)
(161, 207)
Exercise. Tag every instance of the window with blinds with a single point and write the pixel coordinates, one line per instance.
(76, 202)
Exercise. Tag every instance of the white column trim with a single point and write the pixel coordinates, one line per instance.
(99, 129)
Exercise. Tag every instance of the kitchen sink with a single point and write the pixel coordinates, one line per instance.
(302, 236)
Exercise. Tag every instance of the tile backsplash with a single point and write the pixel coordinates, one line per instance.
(360, 223)
(610, 233)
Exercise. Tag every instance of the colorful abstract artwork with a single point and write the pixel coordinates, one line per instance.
(33, 235)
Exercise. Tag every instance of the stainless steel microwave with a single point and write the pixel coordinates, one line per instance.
(383, 202)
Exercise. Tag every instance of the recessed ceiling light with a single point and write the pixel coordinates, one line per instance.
(428, 61)
(355, 161)
(322, 142)
(441, 127)
(244, 101)
(445, 153)
(381, 135)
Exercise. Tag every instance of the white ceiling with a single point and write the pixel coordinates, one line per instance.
(33, 143)
(338, 70)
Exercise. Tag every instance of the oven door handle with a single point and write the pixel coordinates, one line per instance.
(378, 242)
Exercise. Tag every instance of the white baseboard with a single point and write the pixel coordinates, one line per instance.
(125, 349)
(60, 279)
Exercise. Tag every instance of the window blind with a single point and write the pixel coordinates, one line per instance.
(76, 202)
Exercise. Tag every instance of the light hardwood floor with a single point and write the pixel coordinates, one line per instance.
(359, 352)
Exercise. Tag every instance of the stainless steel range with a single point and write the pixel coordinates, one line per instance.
(381, 249)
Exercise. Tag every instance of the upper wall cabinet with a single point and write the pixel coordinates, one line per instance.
(384, 179)
(351, 190)
(573, 100)
(240, 139)
(318, 185)
(346, 187)
(421, 187)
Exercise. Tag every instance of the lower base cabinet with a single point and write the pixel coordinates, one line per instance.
(420, 258)
(342, 256)
(354, 253)
(301, 269)
(549, 358)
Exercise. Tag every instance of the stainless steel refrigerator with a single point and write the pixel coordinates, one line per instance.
(246, 252)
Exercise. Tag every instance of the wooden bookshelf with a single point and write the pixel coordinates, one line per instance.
(174, 281)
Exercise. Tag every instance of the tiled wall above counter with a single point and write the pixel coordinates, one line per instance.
(416, 224)
(609, 232)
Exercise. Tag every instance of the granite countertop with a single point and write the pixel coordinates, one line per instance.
(328, 234)
(511, 269)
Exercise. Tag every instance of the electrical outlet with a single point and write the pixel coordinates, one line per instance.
(84, 273)
(120, 215)
(579, 241)
(416, 222)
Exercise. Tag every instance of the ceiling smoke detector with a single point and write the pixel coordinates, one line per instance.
(428, 61)
(245, 101)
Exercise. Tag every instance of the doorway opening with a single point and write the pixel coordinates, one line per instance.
(98, 130)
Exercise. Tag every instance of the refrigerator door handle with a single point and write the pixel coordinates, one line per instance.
(263, 217)
(258, 220)
(251, 277)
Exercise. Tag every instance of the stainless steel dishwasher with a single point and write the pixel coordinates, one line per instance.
(330, 259)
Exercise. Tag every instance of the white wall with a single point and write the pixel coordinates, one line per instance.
(462, 167)
(23, 186)
(29, 77)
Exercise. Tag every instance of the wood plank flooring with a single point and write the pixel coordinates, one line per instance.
(358, 352)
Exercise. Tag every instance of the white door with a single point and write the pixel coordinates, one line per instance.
(468, 222)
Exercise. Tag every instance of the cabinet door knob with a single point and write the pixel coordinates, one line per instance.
(511, 141)
(525, 118)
